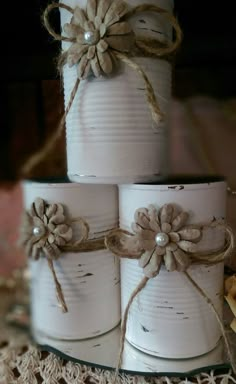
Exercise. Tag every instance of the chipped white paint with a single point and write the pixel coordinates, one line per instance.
(110, 122)
(168, 318)
(90, 281)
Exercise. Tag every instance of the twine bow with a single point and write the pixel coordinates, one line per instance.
(101, 37)
(164, 238)
(47, 231)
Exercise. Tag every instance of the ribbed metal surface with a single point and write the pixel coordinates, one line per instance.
(96, 204)
(111, 137)
(169, 318)
(91, 286)
(90, 281)
(110, 133)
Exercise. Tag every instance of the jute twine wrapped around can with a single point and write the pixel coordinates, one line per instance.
(163, 238)
(46, 231)
(62, 233)
(100, 39)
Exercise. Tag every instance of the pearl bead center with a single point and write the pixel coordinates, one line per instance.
(37, 231)
(91, 37)
(162, 239)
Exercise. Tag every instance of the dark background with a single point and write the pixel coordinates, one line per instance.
(30, 86)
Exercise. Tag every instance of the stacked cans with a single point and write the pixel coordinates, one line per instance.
(117, 162)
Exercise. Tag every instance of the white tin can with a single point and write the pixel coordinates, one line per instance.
(111, 137)
(169, 318)
(89, 280)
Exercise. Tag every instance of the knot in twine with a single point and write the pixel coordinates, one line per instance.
(47, 231)
(101, 37)
(162, 237)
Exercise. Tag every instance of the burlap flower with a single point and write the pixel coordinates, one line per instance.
(97, 33)
(164, 237)
(230, 289)
(44, 230)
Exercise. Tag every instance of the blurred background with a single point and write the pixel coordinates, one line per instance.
(203, 113)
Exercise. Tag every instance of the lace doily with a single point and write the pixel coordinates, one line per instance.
(22, 362)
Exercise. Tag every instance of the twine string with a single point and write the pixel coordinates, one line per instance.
(41, 154)
(211, 260)
(144, 43)
(147, 47)
(136, 291)
(85, 246)
(156, 113)
(218, 318)
(47, 24)
(60, 295)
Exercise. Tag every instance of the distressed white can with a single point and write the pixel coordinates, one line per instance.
(169, 318)
(111, 137)
(89, 280)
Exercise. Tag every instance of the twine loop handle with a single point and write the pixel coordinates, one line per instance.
(142, 47)
(126, 244)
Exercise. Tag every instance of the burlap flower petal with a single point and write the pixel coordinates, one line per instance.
(51, 251)
(28, 247)
(35, 252)
(192, 234)
(153, 267)
(91, 9)
(51, 210)
(57, 219)
(174, 237)
(79, 17)
(166, 227)
(187, 246)
(64, 231)
(75, 52)
(89, 26)
(37, 208)
(38, 223)
(95, 66)
(40, 243)
(141, 217)
(182, 260)
(145, 258)
(171, 247)
(91, 52)
(154, 226)
(59, 241)
(165, 214)
(97, 22)
(179, 221)
(148, 245)
(153, 218)
(102, 8)
(116, 11)
(136, 228)
(72, 30)
(170, 261)
(147, 234)
(105, 62)
(102, 46)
